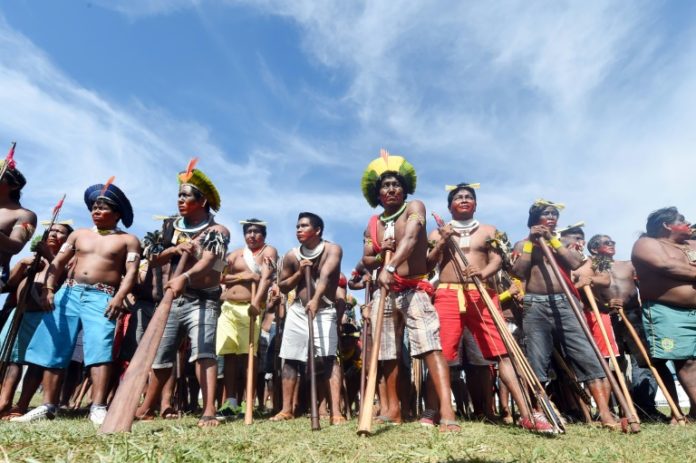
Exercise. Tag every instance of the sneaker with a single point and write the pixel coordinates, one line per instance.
(229, 413)
(429, 418)
(97, 413)
(540, 424)
(42, 412)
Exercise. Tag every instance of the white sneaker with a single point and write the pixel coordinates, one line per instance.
(97, 413)
(42, 412)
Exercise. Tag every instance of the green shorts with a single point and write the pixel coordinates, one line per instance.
(671, 331)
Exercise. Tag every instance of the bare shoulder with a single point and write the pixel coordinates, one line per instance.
(334, 248)
(26, 216)
(645, 245)
(488, 230)
(270, 252)
(519, 245)
(234, 254)
(416, 205)
(130, 239)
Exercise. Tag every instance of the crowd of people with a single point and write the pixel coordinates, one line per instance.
(549, 330)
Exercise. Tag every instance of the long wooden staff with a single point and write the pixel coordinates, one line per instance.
(249, 410)
(313, 406)
(579, 394)
(121, 413)
(519, 362)
(632, 418)
(676, 413)
(365, 417)
(363, 353)
(277, 362)
(610, 349)
(23, 294)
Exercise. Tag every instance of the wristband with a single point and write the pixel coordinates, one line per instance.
(528, 247)
(555, 243)
(504, 296)
(187, 276)
(50, 288)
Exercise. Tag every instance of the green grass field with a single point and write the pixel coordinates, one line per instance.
(75, 439)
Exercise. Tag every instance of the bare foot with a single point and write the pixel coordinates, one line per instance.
(207, 421)
(144, 414)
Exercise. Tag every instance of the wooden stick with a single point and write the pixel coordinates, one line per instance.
(313, 406)
(121, 413)
(610, 349)
(365, 417)
(632, 418)
(86, 383)
(676, 412)
(363, 353)
(249, 410)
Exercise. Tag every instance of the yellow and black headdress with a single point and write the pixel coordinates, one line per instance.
(386, 163)
(200, 182)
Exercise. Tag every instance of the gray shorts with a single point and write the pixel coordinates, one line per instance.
(549, 320)
(137, 324)
(192, 316)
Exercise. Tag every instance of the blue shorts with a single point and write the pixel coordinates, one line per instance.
(27, 328)
(78, 306)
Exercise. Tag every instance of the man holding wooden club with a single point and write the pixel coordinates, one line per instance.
(195, 309)
(622, 295)
(400, 229)
(323, 261)
(548, 317)
(248, 267)
(665, 262)
(458, 301)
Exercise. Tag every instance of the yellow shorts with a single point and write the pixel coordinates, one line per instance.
(233, 329)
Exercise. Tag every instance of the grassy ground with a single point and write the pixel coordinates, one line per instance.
(75, 439)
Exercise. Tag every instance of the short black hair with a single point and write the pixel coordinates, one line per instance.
(460, 186)
(314, 219)
(666, 215)
(257, 222)
(594, 243)
(535, 213)
(400, 178)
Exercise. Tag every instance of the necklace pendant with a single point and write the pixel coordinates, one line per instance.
(464, 241)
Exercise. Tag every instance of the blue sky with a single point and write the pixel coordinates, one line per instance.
(285, 103)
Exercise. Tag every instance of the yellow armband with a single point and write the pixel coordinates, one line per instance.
(528, 247)
(555, 243)
(504, 296)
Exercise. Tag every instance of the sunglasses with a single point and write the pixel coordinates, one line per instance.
(608, 243)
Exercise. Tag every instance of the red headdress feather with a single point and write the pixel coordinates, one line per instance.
(385, 155)
(185, 177)
(10, 156)
(106, 185)
(58, 207)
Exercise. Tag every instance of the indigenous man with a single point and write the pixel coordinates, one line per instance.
(196, 306)
(548, 317)
(33, 313)
(665, 262)
(17, 224)
(401, 228)
(324, 261)
(103, 273)
(249, 266)
(458, 302)
(623, 293)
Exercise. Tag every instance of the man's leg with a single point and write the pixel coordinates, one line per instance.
(9, 387)
(686, 372)
(290, 371)
(101, 375)
(335, 386)
(206, 372)
(390, 409)
(158, 378)
(438, 370)
(509, 379)
(166, 409)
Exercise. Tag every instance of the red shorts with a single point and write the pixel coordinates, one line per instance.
(476, 318)
(597, 333)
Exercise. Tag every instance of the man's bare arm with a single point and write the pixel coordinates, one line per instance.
(21, 233)
(291, 275)
(331, 266)
(264, 285)
(116, 305)
(648, 252)
(435, 252)
(370, 260)
(522, 266)
(408, 241)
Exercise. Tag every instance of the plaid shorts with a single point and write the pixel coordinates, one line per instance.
(422, 324)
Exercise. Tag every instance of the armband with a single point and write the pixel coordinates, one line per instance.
(132, 256)
(555, 243)
(417, 217)
(504, 296)
(528, 247)
(65, 247)
(379, 258)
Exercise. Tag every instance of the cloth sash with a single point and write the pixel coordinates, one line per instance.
(419, 283)
(249, 260)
